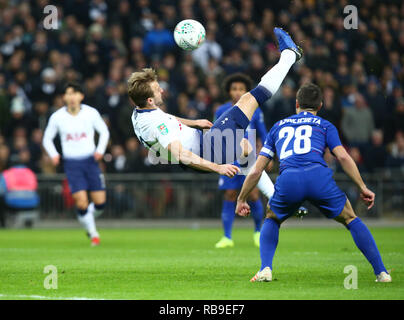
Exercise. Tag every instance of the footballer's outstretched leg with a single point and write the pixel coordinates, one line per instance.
(364, 241)
(239, 117)
(272, 80)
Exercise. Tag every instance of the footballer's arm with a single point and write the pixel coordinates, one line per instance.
(243, 209)
(194, 161)
(197, 124)
(350, 168)
(47, 142)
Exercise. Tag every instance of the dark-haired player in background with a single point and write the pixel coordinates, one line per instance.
(235, 86)
(300, 142)
(75, 123)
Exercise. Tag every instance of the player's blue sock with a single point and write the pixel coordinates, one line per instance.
(268, 242)
(81, 213)
(365, 242)
(261, 94)
(257, 212)
(228, 215)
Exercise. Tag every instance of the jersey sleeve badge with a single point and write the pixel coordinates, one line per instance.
(163, 129)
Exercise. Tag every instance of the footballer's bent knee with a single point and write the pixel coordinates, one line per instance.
(347, 214)
(230, 195)
(271, 215)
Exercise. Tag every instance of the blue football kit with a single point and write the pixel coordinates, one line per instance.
(300, 142)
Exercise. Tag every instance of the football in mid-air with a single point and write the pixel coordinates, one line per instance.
(189, 34)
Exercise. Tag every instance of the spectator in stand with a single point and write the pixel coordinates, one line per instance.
(395, 121)
(19, 117)
(357, 123)
(117, 162)
(208, 50)
(331, 109)
(377, 102)
(48, 88)
(395, 158)
(133, 155)
(158, 41)
(376, 154)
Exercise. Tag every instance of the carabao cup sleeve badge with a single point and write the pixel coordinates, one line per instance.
(162, 128)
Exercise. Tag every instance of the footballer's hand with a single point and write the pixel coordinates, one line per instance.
(203, 124)
(242, 208)
(228, 170)
(56, 160)
(98, 156)
(368, 197)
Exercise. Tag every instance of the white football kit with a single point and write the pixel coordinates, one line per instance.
(76, 133)
(157, 129)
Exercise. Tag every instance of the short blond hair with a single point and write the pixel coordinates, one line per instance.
(139, 89)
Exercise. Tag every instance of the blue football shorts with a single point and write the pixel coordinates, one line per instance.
(223, 148)
(312, 183)
(84, 174)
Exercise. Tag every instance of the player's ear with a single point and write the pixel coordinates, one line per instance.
(297, 106)
(150, 101)
(321, 105)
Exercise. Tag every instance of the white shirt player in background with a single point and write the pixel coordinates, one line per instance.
(75, 123)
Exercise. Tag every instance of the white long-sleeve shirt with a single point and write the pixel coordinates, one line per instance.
(76, 133)
(157, 129)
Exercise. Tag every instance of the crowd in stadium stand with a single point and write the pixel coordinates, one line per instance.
(99, 43)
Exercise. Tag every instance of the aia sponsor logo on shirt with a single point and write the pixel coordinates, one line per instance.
(75, 136)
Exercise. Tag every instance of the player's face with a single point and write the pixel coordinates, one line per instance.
(158, 91)
(73, 98)
(237, 89)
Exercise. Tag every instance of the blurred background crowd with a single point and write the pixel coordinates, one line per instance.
(99, 43)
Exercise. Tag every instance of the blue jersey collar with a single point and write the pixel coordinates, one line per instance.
(144, 110)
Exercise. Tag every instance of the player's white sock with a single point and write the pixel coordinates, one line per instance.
(272, 80)
(265, 184)
(88, 222)
(98, 209)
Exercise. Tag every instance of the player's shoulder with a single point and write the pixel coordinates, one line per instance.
(89, 109)
(58, 114)
(146, 118)
(325, 123)
(148, 113)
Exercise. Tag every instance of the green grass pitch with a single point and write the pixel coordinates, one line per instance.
(151, 264)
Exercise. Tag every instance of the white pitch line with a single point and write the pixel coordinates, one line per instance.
(44, 297)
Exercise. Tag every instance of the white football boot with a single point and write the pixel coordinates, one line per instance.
(383, 277)
(263, 275)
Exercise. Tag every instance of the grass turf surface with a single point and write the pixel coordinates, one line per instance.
(183, 264)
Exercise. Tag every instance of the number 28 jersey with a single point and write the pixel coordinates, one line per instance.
(300, 140)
